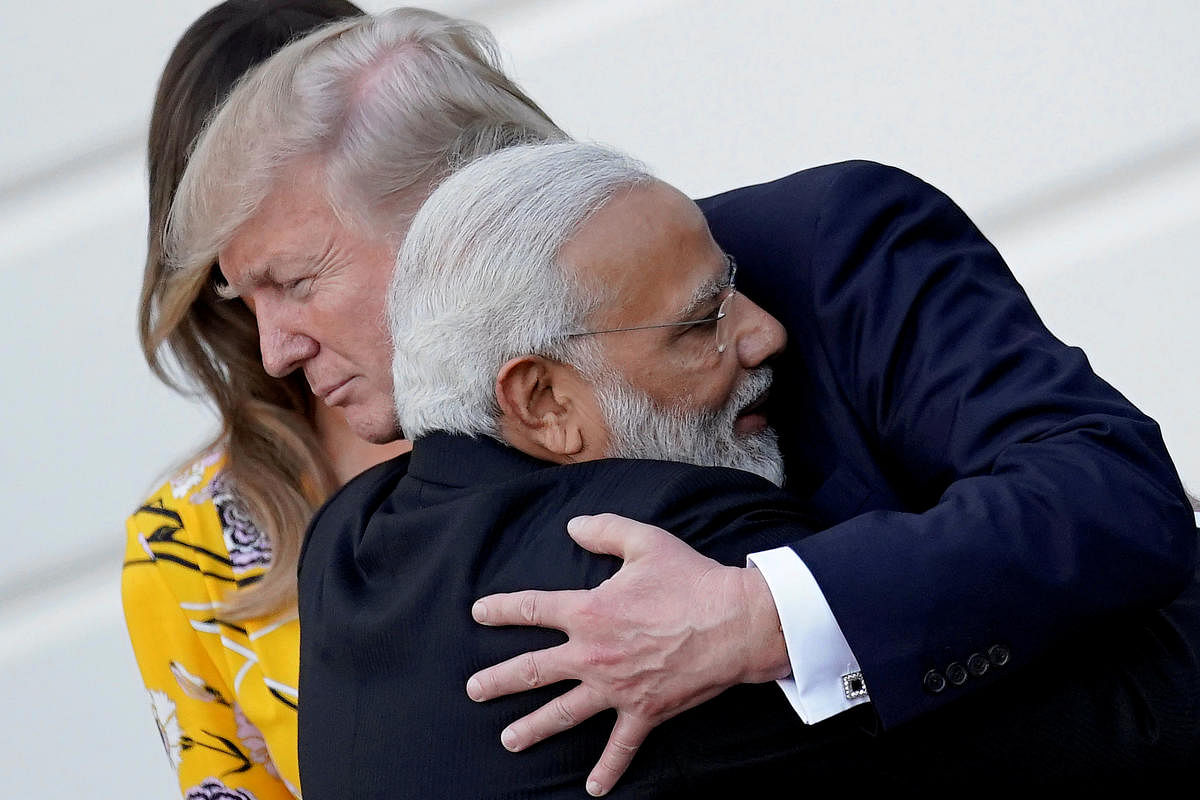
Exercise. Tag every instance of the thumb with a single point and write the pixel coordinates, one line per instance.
(612, 534)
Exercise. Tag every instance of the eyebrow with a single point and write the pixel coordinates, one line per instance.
(706, 292)
(261, 274)
(257, 276)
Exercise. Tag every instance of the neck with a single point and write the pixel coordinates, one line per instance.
(349, 454)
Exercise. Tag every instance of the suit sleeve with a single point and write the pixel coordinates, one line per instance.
(1045, 500)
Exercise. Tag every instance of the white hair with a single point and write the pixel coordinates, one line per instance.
(385, 105)
(479, 280)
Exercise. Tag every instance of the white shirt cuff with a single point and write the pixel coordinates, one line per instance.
(819, 653)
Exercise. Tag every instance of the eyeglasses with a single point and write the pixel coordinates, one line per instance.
(720, 331)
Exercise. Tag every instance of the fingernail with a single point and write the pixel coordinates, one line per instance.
(474, 689)
(594, 788)
(574, 522)
(479, 611)
(508, 738)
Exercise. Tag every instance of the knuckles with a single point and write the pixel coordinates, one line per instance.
(528, 609)
(562, 713)
(528, 671)
(598, 656)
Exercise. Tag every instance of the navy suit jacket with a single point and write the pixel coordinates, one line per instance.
(981, 486)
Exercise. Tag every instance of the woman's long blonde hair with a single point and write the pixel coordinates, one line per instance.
(435, 97)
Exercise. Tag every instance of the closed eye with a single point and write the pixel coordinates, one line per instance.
(712, 312)
(298, 286)
(703, 323)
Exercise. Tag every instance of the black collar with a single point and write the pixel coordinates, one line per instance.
(452, 459)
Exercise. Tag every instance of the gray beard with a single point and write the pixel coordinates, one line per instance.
(642, 429)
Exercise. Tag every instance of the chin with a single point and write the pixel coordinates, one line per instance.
(374, 428)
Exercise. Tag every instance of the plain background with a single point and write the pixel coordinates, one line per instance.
(1070, 131)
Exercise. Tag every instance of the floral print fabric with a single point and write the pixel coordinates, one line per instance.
(248, 548)
(213, 789)
(223, 693)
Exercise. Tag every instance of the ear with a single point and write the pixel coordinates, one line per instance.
(539, 412)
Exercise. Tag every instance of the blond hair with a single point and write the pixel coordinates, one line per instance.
(387, 105)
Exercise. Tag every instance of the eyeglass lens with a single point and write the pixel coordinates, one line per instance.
(723, 323)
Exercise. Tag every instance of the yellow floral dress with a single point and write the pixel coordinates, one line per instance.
(223, 693)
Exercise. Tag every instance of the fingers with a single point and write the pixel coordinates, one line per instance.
(612, 534)
(567, 711)
(562, 713)
(627, 736)
(519, 674)
(530, 607)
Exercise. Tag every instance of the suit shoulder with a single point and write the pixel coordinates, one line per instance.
(354, 502)
(815, 182)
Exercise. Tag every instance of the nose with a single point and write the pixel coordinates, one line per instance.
(284, 348)
(758, 336)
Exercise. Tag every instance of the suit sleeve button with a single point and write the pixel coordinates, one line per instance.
(956, 673)
(933, 681)
(977, 664)
(998, 654)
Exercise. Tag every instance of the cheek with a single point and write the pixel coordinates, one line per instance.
(354, 318)
(373, 346)
(672, 380)
(380, 354)
(696, 388)
(370, 308)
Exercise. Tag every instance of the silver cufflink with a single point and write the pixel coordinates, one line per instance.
(853, 686)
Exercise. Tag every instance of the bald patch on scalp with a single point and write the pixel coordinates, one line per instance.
(379, 76)
(612, 248)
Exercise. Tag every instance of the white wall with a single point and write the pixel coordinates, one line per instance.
(1069, 131)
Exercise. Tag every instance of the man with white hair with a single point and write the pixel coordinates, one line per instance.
(551, 305)
(556, 312)
(922, 409)
(478, 283)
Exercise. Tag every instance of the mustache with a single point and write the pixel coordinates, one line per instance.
(751, 390)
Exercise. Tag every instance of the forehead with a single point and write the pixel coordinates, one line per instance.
(649, 246)
(294, 221)
(295, 227)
